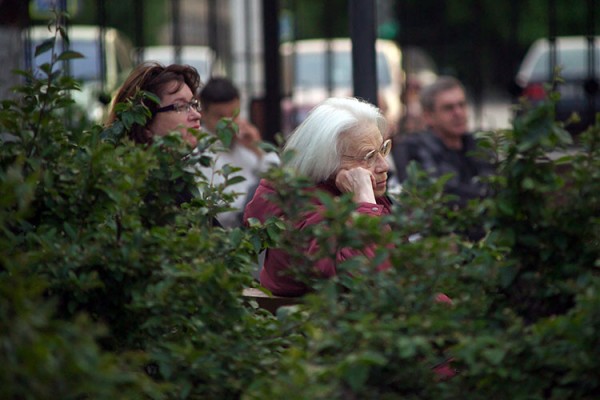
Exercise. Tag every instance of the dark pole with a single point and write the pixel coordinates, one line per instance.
(248, 53)
(16, 41)
(62, 6)
(591, 83)
(362, 33)
(513, 40)
(328, 11)
(175, 11)
(26, 22)
(552, 38)
(478, 47)
(139, 30)
(101, 8)
(14, 13)
(272, 109)
(213, 22)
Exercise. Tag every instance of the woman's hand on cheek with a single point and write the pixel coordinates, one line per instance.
(358, 181)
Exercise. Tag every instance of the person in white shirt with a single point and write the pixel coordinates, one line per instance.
(220, 99)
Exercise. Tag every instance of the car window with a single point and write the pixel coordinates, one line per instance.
(310, 70)
(85, 69)
(202, 64)
(574, 63)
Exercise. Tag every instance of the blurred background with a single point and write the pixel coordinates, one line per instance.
(281, 54)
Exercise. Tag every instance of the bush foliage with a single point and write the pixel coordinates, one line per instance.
(111, 290)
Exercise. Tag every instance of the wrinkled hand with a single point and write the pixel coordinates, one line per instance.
(358, 181)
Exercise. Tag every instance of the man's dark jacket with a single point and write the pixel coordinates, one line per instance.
(433, 156)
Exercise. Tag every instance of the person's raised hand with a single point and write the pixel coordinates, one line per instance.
(358, 181)
(248, 135)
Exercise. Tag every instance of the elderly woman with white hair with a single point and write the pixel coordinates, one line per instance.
(340, 146)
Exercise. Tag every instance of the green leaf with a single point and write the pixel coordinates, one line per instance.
(226, 131)
(356, 375)
(69, 55)
(528, 184)
(494, 356)
(45, 46)
(507, 275)
(63, 34)
(235, 179)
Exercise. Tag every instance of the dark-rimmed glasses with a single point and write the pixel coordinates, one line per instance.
(194, 104)
(371, 157)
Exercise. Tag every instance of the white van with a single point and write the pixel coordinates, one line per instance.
(578, 84)
(98, 83)
(306, 73)
(202, 58)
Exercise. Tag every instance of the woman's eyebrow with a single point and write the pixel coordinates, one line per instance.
(370, 147)
(182, 99)
(363, 150)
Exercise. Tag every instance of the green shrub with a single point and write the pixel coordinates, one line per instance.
(111, 290)
(95, 217)
(524, 320)
(44, 357)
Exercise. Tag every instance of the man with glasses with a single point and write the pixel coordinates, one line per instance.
(446, 147)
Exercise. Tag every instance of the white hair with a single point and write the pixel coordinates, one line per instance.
(318, 141)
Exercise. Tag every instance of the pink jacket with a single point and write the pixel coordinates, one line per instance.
(272, 275)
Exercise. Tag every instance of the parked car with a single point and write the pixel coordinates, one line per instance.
(310, 78)
(579, 91)
(202, 58)
(106, 63)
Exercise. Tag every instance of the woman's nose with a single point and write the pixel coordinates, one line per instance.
(381, 165)
(196, 114)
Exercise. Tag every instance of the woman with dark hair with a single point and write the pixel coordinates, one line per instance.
(177, 87)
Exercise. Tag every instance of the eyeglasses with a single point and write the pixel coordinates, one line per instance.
(371, 157)
(181, 107)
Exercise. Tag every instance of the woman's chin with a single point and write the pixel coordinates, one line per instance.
(379, 191)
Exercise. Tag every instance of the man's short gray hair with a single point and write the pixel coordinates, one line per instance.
(441, 84)
(318, 141)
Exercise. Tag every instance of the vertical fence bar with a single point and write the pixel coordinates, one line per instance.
(140, 43)
(272, 109)
(591, 84)
(479, 48)
(294, 58)
(62, 7)
(176, 29)
(328, 59)
(552, 39)
(514, 34)
(248, 53)
(101, 11)
(213, 30)
(362, 33)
